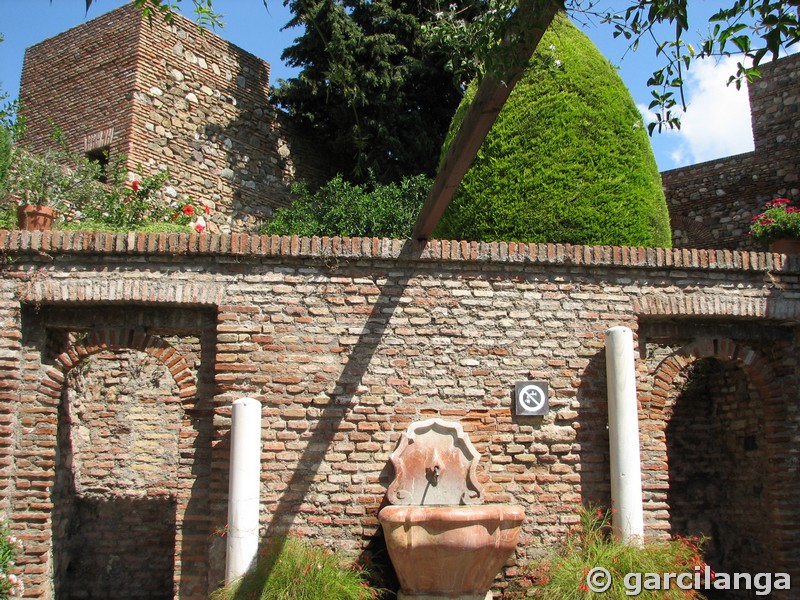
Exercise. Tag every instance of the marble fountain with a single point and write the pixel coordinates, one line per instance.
(444, 542)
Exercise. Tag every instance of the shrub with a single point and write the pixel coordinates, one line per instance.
(568, 159)
(56, 177)
(86, 196)
(290, 569)
(590, 546)
(5, 154)
(140, 205)
(347, 209)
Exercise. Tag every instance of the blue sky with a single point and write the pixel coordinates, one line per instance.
(717, 123)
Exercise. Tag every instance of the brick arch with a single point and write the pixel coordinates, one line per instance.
(190, 538)
(697, 233)
(753, 363)
(115, 339)
(768, 385)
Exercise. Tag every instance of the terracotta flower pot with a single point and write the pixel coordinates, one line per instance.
(785, 246)
(35, 217)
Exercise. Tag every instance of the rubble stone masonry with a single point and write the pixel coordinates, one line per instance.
(711, 204)
(348, 341)
(171, 96)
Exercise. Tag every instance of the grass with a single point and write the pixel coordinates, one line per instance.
(144, 228)
(589, 546)
(290, 569)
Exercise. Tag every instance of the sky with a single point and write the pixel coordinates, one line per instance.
(717, 122)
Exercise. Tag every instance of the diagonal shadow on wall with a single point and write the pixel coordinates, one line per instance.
(592, 435)
(332, 415)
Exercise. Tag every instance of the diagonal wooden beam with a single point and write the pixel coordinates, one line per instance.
(526, 28)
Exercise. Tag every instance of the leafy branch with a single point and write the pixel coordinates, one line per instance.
(749, 29)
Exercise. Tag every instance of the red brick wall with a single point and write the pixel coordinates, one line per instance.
(346, 342)
(83, 81)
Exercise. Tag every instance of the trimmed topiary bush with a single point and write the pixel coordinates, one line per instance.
(568, 159)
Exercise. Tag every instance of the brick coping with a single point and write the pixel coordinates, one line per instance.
(16, 242)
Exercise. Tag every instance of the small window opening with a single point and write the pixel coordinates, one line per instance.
(100, 156)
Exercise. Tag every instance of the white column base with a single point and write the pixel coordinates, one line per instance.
(623, 434)
(244, 487)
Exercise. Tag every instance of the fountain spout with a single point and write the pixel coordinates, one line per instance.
(435, 468)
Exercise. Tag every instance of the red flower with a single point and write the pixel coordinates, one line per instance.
(207, 210)
(135, 185)
(777, 202)
(188, 210)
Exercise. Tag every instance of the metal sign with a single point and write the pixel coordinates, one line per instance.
(531, 398)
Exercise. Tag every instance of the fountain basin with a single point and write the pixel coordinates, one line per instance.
(449, 551)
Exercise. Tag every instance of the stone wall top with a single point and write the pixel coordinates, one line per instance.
(21, 243)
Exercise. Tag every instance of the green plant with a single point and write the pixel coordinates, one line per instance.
(11, 585)
(568, 159)
(347, 209)
(124, 205)
(590, 546)
(55, 177)
(5, 154)
(138, 204)
(290, 569)
(87, 195)
(779, 220)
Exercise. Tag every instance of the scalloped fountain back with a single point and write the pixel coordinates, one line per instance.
(435, 464)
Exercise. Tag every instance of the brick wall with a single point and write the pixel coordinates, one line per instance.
(119, 434)
(346, 342)
(83, 80)
(711, 204)
(172, 97)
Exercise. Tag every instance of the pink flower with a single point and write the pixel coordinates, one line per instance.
(199, 228)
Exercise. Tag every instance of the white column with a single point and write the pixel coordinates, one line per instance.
(244, 487)
(623, 434)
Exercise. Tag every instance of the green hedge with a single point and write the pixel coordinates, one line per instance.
(568, 159)
(349, 209)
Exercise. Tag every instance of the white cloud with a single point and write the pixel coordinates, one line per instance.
(717, 121)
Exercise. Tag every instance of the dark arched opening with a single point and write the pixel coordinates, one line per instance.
(717, 457)
(115, 494)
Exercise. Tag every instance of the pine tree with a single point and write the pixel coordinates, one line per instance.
(370, 87)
